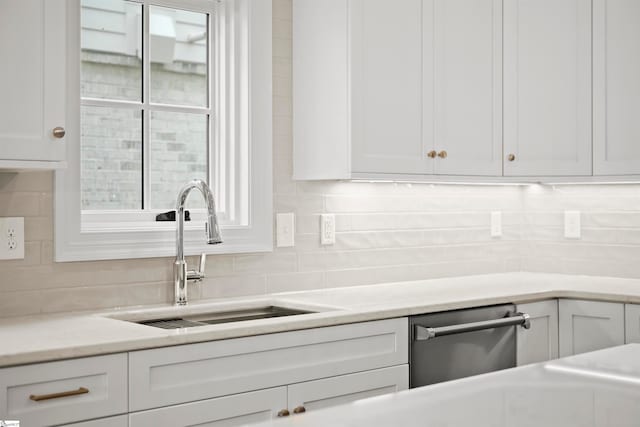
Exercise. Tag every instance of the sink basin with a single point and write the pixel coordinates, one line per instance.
(222, 317)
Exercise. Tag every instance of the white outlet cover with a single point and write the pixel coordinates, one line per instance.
(11, 238)
(327, 229)
(285, 230)
(572, 226)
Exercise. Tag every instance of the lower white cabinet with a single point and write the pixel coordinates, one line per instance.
(119, 421)
(228, 411)
(62, 392)
(263, 405)
(539, 343)
(333, 391)
(632, 323)
(590, 325)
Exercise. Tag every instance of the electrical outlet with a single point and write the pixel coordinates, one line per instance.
(327, 229)
(11, 238)
(285, 230)
(572, 228)
(496, 224)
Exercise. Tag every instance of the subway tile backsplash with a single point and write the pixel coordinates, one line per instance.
(385, 232)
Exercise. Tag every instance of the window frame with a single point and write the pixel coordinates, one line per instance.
(104, 235)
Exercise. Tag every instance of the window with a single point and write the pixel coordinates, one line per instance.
(167, 91)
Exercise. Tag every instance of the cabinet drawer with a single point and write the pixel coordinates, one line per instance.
(37, 394)
(168, 376)
(119, 421)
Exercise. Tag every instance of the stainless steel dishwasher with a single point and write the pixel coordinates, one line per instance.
(457, 344)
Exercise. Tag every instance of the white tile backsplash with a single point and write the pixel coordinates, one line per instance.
(386, 232)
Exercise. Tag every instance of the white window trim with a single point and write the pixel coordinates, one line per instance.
(124, 240)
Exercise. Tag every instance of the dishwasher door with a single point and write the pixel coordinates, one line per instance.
(461, 354)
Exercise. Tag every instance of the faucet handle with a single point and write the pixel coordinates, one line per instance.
(199, 273)
(203, 263)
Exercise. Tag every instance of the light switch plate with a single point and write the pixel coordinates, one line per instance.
(327, 229)
(572, 227)
(11, 238)
(496, 224)
(285, 230)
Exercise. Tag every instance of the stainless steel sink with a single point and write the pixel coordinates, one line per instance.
(222, 317)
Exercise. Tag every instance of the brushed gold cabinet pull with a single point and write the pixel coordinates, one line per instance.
(443, 154)
(300, 410)
(39, 397)
(432, 154)
(283, 413)
(59, 132)
(511, 157)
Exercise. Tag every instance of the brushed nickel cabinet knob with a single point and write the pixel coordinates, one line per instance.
(432, 154)
(300, 410)
(59, 132)
(511, 157)
(443, 154)
(283, 413)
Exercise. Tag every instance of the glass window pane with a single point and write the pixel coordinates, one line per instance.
(178, 154)
(111, 66)
(111, 158)
(178, 56)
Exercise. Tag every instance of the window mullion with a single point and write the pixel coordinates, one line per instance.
(146, 113)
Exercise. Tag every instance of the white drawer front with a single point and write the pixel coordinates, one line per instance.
(167, 376)
(104, 377)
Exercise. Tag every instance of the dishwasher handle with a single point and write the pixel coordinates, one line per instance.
(423, 333)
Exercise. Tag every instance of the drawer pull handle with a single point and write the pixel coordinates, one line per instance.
(283, 413)
(300, 410)
(39, 397)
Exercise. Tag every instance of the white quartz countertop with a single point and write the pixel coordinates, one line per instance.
(45, 338)
(599, 389)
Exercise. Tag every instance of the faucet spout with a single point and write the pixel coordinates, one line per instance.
(181, 274)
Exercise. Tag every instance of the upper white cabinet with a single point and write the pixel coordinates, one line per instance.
(411, 88)
(32, 82)
(547, 87)
(539, 343)
(590, 325)
(616, 87)
(463, 86)
(385, 86)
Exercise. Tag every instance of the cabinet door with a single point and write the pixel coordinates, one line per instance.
(32, 79)
(386, 79)
(632, 323)
(333, 391)
(616, 85)
(229, 411)
(539, 343)
(468, 86)
(589, 325)
(120, 421)
(547, 87)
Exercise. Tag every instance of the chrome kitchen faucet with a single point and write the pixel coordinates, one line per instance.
(181, 275)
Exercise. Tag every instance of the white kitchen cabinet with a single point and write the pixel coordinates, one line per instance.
(68, 391)
(616, 86)
(33, 77)
(463, 86)
(263, 405)
(632, 323)
(539, 343)
(589, 325)
(119, 421)
(229, 411)
(326, 392)
(169, 376)
(410, 89)
(547, 87)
